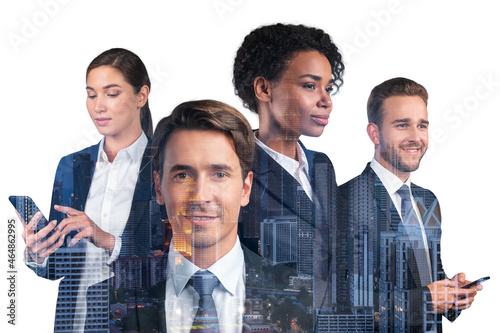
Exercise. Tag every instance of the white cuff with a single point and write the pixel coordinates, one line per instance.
(116, 250)
(33, 264)
(39, 269)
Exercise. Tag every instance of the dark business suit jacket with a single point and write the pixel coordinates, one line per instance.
(372, 225)
(71, 187)
(276, 193)
(262, 279)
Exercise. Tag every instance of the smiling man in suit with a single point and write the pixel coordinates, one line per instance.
(395, 272)
(202, 176)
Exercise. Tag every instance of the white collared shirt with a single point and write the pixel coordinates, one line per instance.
(181, 300)
(112, 189)
(108, 205)
(298, 169)
(111, 192)
(392, 184)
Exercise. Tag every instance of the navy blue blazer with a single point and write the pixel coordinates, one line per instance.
(71, 187)
(262, 279)
(276, 193)
(371, 224)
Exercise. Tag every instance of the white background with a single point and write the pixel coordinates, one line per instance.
(450, 47)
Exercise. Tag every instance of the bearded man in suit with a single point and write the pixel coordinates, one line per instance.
(394, 271)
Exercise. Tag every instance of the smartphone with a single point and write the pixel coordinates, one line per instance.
(27, 208)
(472, 284)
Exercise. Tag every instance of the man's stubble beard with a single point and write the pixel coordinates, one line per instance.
(389, 153)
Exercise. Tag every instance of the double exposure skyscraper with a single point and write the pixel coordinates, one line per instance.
(381, 292)
(83, 302)
(83, 262)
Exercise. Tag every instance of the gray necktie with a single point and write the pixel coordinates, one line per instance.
(206, 319)
(417, 240)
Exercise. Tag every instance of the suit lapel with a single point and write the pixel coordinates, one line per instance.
(430, 214)
(416, 195)
(144, 191)
(94, 150)
(310, 158)
(144, 186)
(275, 192)
(385, 207)
(393, 223)
(275, 182)
(324, 213)
(139, 222)
(83, 178)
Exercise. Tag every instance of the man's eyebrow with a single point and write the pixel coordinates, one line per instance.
(407, 120)
(221, 167)
(186, 167)
(403, 120)
(180, 167)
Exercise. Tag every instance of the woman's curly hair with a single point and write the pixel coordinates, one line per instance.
(267, 51)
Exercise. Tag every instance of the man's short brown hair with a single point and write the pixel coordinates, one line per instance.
(206, 115)
(398, 86)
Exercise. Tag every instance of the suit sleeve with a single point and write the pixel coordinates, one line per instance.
(451, 315)
(61, 179)
(421, 297)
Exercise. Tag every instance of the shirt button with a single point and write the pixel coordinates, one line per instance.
(110, 190)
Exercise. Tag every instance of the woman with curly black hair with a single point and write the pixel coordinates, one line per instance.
(287, 74)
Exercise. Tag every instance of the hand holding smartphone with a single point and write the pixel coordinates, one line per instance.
(472, 284)
(26, 208)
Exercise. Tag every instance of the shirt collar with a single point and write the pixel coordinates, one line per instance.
(390, 181)
(282, 159)
(135, 150)
(228, 269)
(180, 269)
